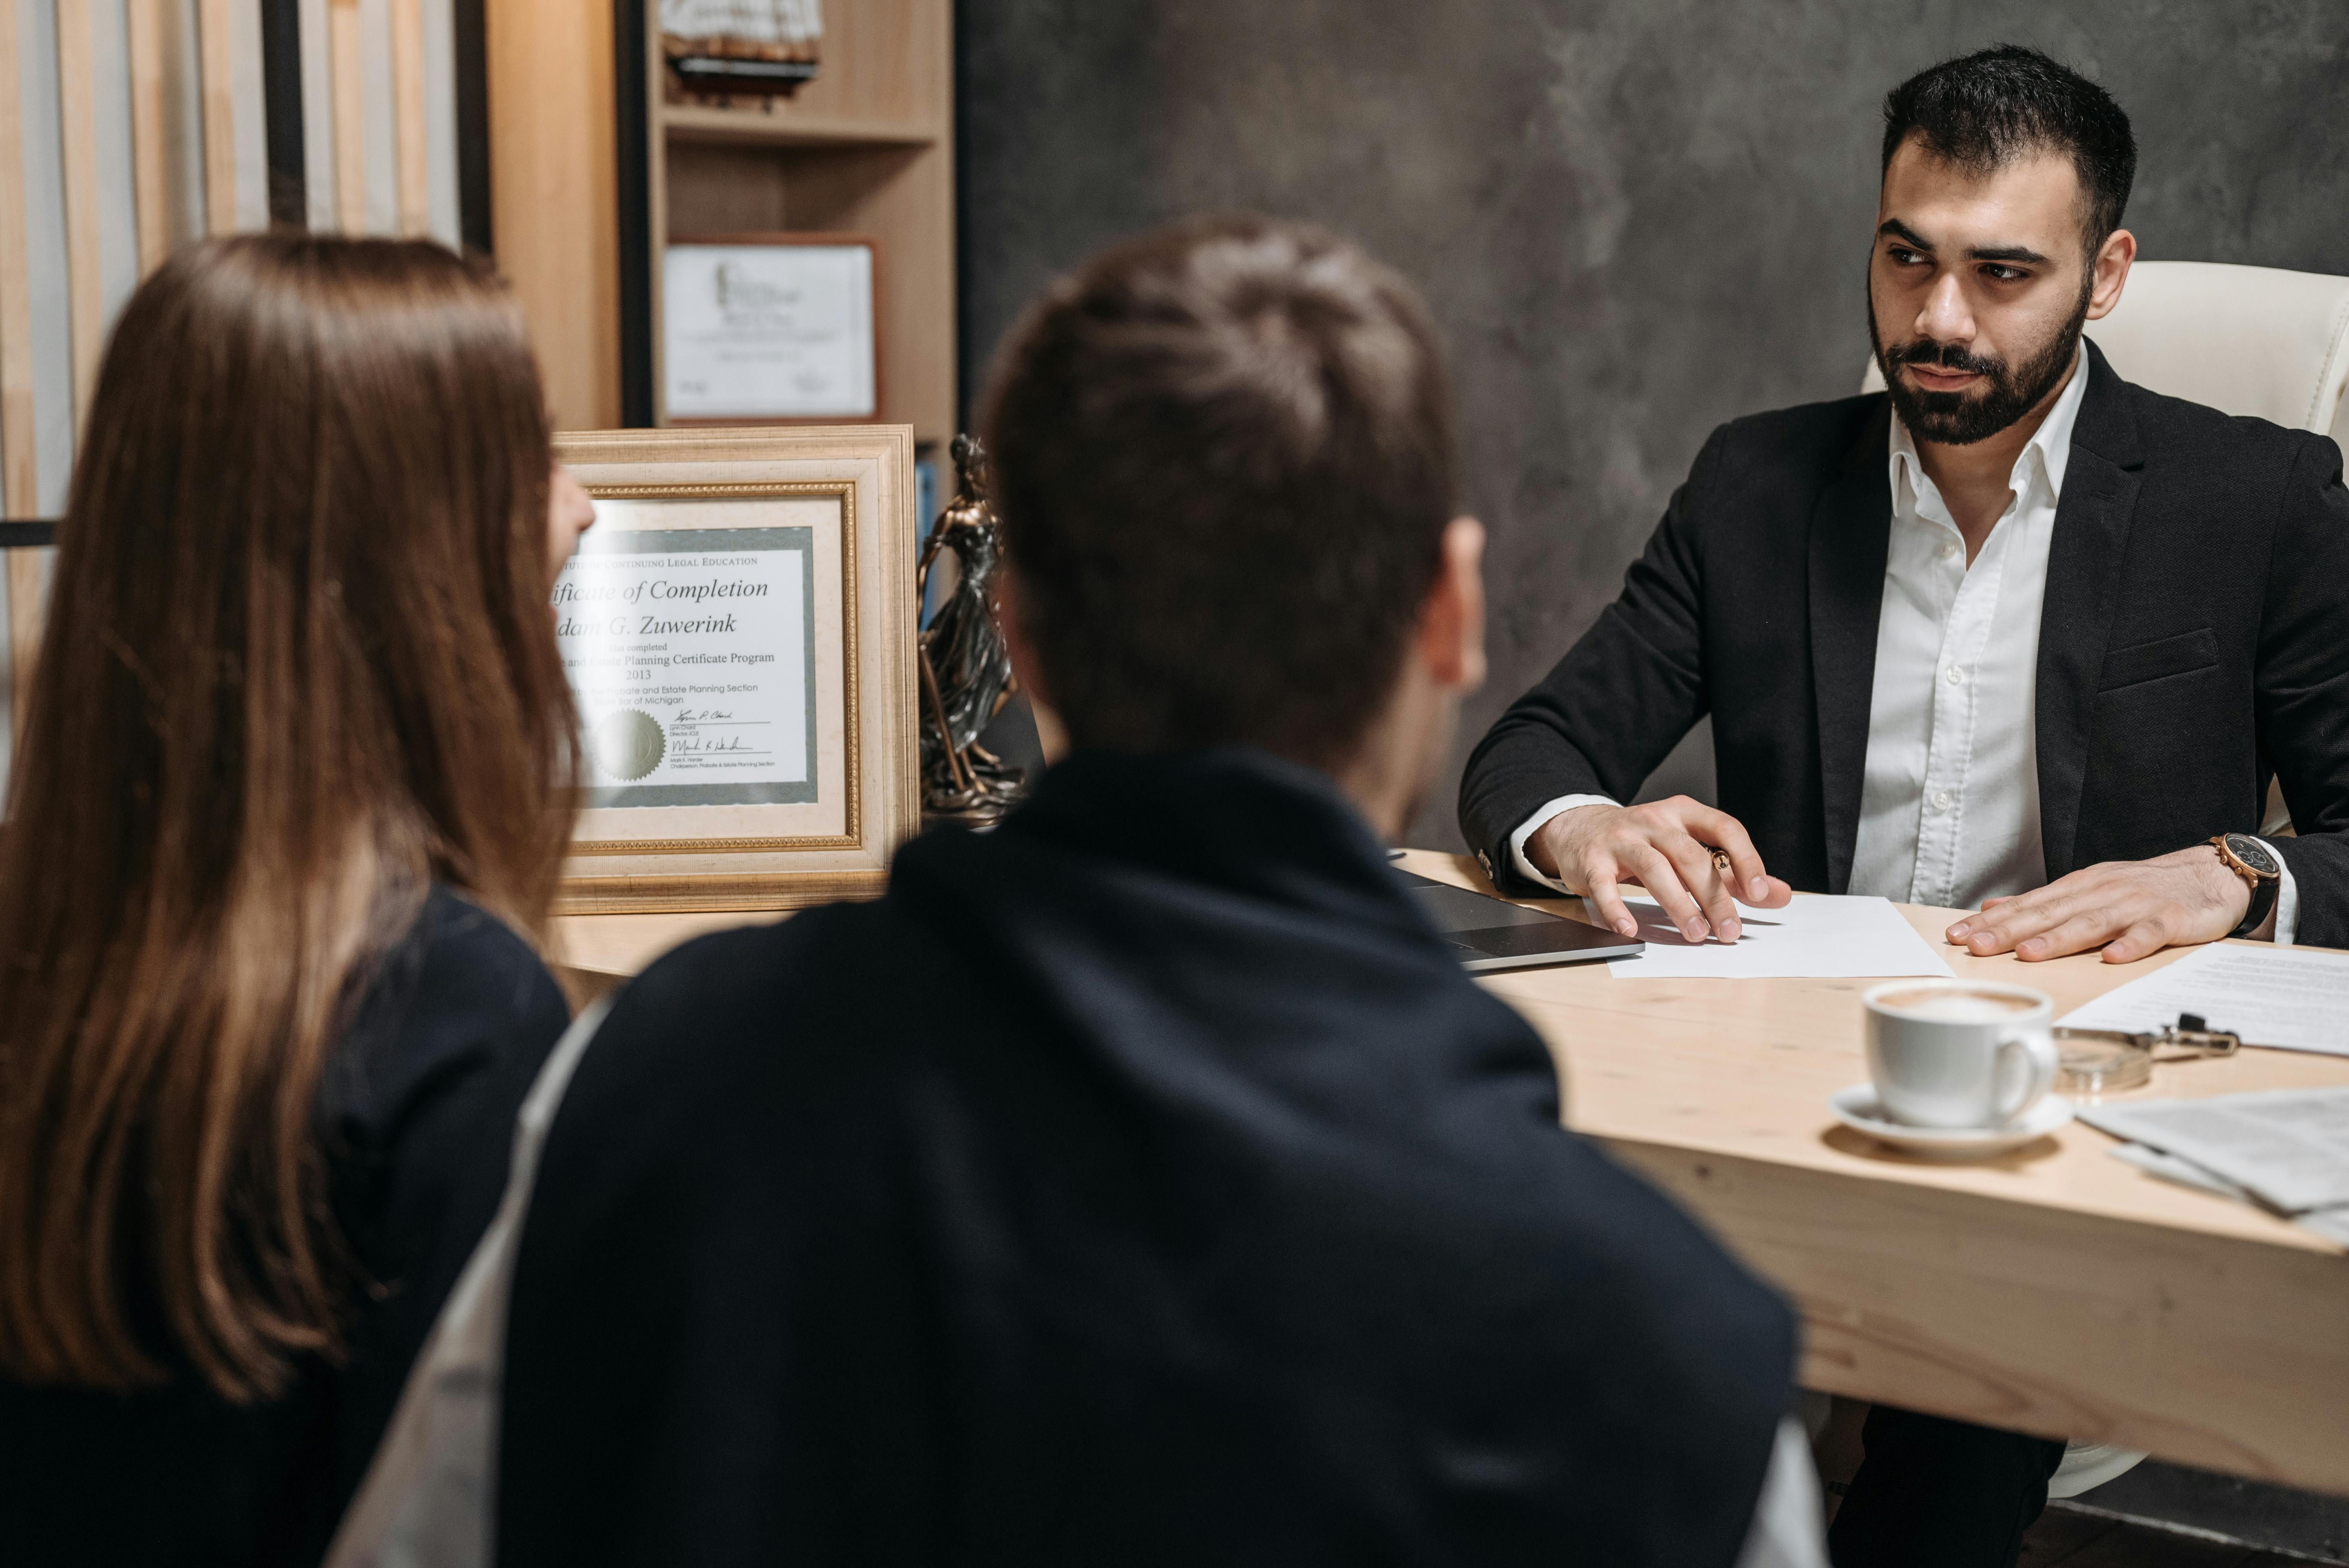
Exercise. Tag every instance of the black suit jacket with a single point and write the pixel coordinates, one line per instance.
(414, 1114)
(2193, 642)
(1142, 1182)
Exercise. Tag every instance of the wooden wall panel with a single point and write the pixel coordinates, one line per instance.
(410, 153)
(346, 111)
(78, 135)
(19, 494)
(149, 157)
(158, 133)
(554, 185)
(216, 35)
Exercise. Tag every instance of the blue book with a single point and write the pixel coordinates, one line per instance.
(926, 517)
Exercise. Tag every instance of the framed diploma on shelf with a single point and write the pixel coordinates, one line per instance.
(770, 327)
(737, 630)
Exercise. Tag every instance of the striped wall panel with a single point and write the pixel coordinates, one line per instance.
(129, 127)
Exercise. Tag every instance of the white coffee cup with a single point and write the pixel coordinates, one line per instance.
(1959, 1053)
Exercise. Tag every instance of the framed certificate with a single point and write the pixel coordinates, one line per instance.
(737, 630)
(770, 327)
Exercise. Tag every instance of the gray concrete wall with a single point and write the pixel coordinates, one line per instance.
(1635, 219)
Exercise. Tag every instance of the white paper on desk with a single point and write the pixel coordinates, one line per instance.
(2287, 998)
(2331, 1224)
(2288, 1147)
(1819, 936)
(2183, 1172)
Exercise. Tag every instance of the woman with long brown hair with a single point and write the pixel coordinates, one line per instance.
(283, 832)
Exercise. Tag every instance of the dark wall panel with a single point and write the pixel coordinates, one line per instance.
(1635, 219)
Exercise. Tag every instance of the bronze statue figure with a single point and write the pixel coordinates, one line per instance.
(966, 671)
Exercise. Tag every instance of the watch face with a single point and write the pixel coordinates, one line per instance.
(2252, 853)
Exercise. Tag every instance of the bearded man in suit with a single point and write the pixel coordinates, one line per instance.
(2013, 636)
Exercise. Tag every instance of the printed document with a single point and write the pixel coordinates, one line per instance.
(2331, 1224)
(2289, 1147)
(2287, 997)
(1818, 936)
(690, 652)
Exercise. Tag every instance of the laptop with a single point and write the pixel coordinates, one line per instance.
(1492, 934)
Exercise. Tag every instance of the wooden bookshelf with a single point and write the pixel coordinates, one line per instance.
(865, 148)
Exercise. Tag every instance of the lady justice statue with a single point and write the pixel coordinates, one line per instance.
(966, 671)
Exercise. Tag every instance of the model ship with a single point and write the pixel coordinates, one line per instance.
(724, 51)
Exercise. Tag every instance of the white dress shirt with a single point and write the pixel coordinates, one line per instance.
(1789, 1528)
(1949, 805)
(1949, 802)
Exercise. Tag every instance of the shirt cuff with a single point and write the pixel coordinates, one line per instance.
(2287, 909)
(1565, 803)
(1786, 1531)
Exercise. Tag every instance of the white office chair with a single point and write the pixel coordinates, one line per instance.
(2242, 340)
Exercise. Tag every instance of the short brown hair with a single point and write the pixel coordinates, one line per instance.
(1985, 109)
(299, 663)
(1223, 460)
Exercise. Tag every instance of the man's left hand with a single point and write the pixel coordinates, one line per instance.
(2129, 908)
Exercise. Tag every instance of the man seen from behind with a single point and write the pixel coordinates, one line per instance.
(1144, 1181)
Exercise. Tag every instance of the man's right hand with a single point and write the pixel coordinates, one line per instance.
(1666, 847)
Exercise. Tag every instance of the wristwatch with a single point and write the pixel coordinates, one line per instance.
(2249, 859)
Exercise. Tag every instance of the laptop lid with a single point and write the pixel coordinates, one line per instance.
(1488, 932)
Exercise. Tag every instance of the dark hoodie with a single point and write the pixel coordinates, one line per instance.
(1141, 1183)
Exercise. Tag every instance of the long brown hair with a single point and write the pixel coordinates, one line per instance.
(299, 663)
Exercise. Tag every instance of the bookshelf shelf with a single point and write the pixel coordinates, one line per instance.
(752, 128)
(865, 148)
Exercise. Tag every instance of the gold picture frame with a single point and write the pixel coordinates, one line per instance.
(827, 513)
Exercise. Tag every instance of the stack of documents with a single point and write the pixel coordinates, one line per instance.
(2284, 1149)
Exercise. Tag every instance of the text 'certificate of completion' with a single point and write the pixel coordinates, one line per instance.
(691, 656)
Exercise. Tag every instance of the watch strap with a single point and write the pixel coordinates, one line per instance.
(2264, 902)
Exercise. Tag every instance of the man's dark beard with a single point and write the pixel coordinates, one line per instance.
(1962, 418)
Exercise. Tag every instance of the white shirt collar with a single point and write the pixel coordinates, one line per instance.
(2051, 443)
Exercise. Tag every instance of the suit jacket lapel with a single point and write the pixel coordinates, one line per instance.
(2084, 585)
(1851, 529)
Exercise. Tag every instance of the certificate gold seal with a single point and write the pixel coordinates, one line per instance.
(629, 743)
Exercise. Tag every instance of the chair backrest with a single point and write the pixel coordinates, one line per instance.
(2242, 340)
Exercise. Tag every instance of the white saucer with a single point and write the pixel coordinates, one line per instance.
(1857, 1108)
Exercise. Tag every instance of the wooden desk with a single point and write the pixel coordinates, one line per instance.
(2057, 1290)
(594, 953)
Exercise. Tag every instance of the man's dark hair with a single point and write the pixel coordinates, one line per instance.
(1223, 461)
(1986, 110)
